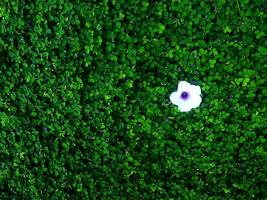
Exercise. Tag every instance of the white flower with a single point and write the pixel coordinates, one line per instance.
(186, 97)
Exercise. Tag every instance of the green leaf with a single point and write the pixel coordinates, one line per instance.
(227, 29)
(245, 82)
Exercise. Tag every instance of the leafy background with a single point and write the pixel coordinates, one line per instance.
(84, 99)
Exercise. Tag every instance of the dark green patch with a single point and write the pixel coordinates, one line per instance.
(84, 99)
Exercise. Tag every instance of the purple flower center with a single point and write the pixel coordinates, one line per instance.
(184, 95)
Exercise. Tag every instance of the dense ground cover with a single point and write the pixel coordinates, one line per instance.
(84, 99)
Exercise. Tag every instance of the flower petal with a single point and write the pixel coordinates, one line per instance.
(194, 101)
(184, 107)
(195, 90)
(175, 98)
(183, 86)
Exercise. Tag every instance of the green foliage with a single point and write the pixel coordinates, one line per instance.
(84, 99)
